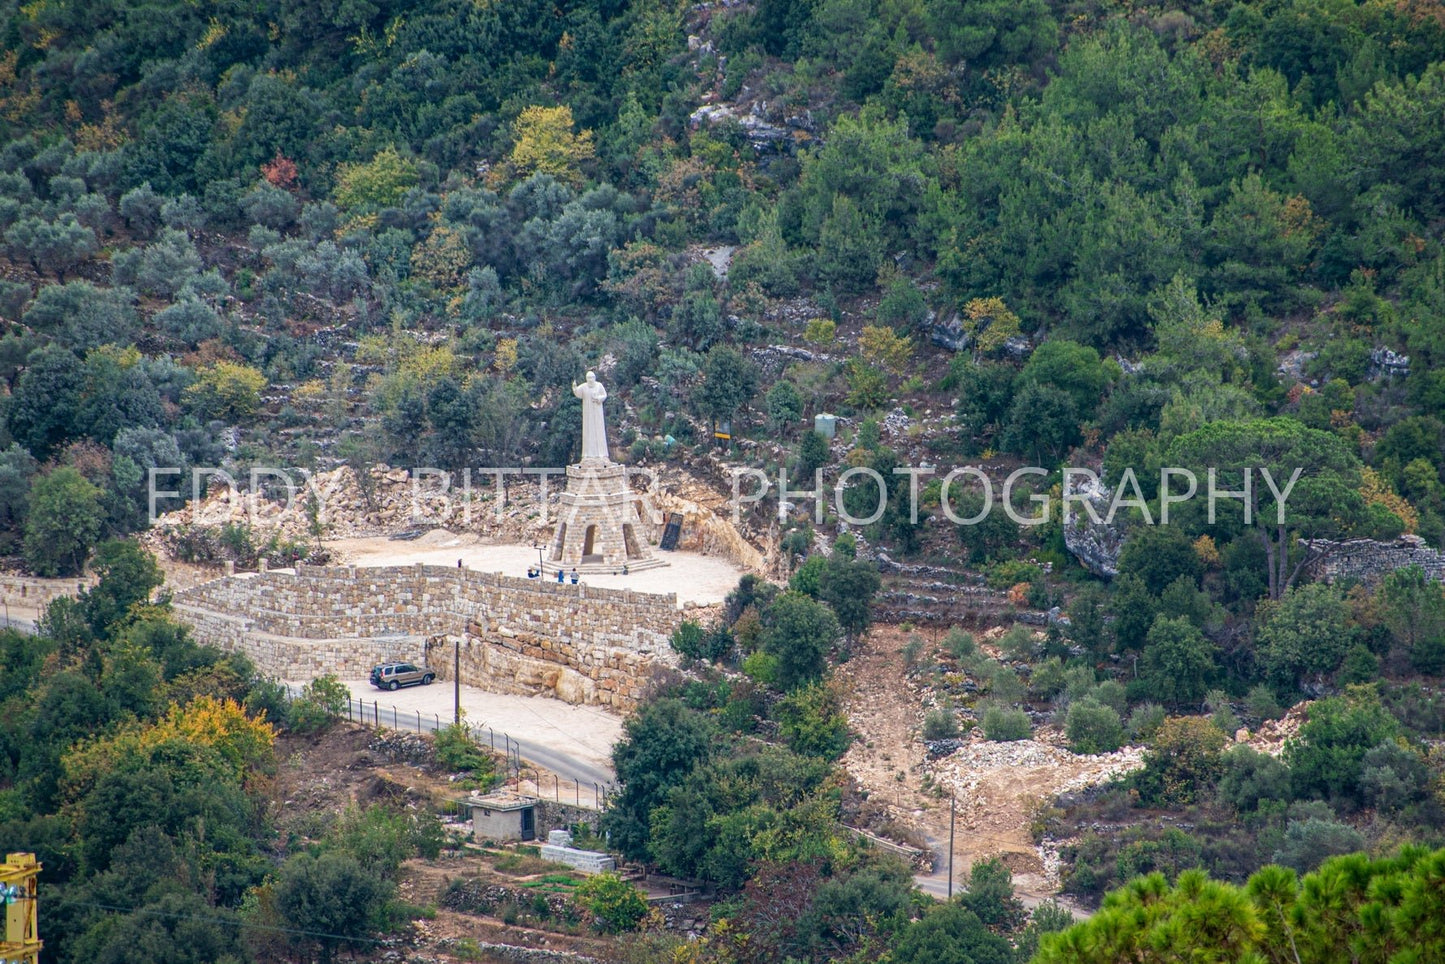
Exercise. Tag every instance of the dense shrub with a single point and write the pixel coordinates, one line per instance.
(1005, 725)
(1093, 727)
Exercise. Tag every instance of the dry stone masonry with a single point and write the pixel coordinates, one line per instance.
(527, 636)
(1370, 561)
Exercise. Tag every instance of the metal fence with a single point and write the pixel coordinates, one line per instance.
(374, 714)
(585, 793)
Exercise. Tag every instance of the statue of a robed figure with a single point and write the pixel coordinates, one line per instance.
(599, 527)
(594, 428)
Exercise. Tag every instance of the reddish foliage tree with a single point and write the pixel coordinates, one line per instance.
(280, 172)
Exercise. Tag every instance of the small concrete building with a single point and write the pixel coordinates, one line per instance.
(504, 816)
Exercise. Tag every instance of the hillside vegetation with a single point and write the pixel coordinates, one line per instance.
(1043, 232)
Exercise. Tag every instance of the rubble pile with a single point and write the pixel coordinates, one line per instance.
(992, 781)
(1273, 734)
(391, 500)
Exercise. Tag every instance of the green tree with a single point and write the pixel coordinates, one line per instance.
(55, 246)
(46, 401)
(1309, 842)
(332, 900)
(1327, 758)
(950, 933)
(1325, 501)
(661, 744)
(227, 391)
(17, 470)
(1413, 607)
(1093, 727)
(65, 521)
(728, 381)
(990, 895)
(127, 575)
(1070, 367)
(812, 723)
(544, 143)
(83, 315)
(617, 905)
(1042, 424)
(324, 699)
(848, 586)
(376, 184)
(798, 632)
(1004, 724)
(991, 34)
(1182, 764)
(848, 248)
(785, 405)
(1304, 635)
(813, 454)
(1251, 779)
(1159, 555)
(986, 532)
(1178, 660)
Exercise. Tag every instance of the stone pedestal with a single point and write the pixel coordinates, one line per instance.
(598, 527)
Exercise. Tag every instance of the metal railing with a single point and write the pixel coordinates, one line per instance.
(372, 713)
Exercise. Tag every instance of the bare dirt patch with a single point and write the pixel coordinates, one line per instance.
(998, 786)
(321, 775)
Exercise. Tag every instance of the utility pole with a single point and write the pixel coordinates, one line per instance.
(457, 682)
(952, 811)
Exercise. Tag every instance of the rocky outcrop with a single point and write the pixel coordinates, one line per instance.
(1388, 363)
(1096, 545)
(1370, 561)
(764, 136)
(948, 333)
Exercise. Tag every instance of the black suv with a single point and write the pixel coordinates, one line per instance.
(390, 676)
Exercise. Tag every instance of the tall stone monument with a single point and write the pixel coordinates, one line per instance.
(599, 528)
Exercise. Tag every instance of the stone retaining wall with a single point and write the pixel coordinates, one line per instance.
(29, 592)
(1370, 561)
(578, 643)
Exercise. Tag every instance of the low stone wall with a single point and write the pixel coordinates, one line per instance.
(29, 592)
(1370, 561)
(578, 643)
(297, 658)
(559, 849)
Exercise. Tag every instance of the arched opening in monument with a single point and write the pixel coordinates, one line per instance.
(629, 541)
(588, 539)
(560, 542)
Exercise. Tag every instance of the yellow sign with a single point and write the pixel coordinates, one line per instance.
(18, 891)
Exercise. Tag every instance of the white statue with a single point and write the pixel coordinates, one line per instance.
(594, 432)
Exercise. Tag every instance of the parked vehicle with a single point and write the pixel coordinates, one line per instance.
(391, 676)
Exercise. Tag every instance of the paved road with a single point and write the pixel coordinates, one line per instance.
(547, 757)
(936, 884)
(574, 742)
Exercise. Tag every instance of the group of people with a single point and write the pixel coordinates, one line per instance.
(535, 572)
